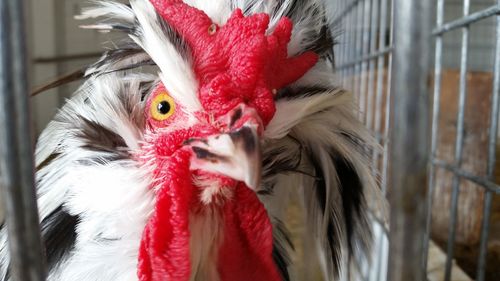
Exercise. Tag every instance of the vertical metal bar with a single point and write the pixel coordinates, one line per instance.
(383, 269)
(364, 51)
(354, 25)
(385, 165)
(347, 42)
(378, 115)
(343, 43)
(481, 268)
(348, 46)
(485, 229)
(358, 52)
(351, 34)
(382, 272)
(409, 138)
(435, 126)
(458, 146)
(339, 53)
(371, 67)
(355, 47)
(16, 153)
(380, 71)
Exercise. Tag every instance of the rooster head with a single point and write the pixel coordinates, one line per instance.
(203, 136)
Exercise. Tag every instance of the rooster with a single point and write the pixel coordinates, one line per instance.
(177, 157)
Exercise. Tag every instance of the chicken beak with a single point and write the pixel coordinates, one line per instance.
(236, 154)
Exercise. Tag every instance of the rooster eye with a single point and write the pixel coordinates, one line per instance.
(162, 107)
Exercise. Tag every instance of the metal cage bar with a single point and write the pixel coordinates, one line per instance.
(356, 64)
(409, 139)
(358, 39)
(485, 182)
(367, 73)
(365, 49)
(466, 20)
(485, 228)
(459, 144)
(385, 164)
(372, 62)
(16, 152)
(435, 126)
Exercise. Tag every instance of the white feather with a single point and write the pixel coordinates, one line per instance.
(110, 199)
(113, 206)
(123, 63)
(219, 11)
(109, 9)
(176, 72)
(206, 229)
(283, 121)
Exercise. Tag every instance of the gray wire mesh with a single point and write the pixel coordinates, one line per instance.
(364, 58)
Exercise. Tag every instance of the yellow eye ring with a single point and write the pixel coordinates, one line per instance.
(162, 107)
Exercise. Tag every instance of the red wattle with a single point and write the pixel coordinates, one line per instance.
(164, 250)
(246, 253)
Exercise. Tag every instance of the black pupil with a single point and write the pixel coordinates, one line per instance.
(164, 107)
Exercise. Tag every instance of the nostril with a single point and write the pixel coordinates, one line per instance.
(202, 153)
(236, 115)
(242, 114)
(192, 140)
(246, 138)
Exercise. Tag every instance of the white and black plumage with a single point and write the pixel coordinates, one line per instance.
(95, 196)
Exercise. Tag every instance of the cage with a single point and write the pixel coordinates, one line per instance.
(426, 76)
(382, 57)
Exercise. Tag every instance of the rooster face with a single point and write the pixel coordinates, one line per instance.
(238, 69)
(202, 161)
(224, 149)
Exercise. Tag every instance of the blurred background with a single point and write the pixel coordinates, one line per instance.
(58, 46)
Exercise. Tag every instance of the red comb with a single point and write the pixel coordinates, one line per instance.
(237, 62)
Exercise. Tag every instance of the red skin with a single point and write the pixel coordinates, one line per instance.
(246, 252)
(238, 64)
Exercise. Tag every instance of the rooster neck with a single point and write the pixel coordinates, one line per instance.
(206, 227)
(231, 238)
